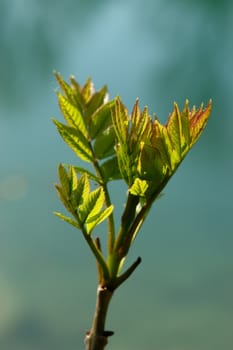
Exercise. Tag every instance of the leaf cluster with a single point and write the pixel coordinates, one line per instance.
(134, 147)
(85, 205)
(88, 130)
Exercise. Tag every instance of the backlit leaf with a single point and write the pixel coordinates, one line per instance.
(141, 126)
(174, 130)
(139, 187)
(93, 221)
(98, 99)
(124, 163)
(75, 140)
(64, 180)
(101, 119)
(63, 198)
(87, 90)
(73, 178)
(83, 189)
(90, 175)
(72, 115)
(92, 204)
(67, 219)
(77, 94)
(198, 120)
(120, 121)
(185, 129)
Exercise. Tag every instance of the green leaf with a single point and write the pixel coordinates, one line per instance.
(73, 178)
(64, 180)
(87, 90)
(104, 143)
(101, 119)
(198, 120)
(65, 88)
(92, 205)
(98, 99)
(139, 187)
(141, 126)
(83, 189)
(75, 140)
(110, 169)
(162, 144)
(121, 122)
(67, 219)
(150, 165)
(185, 129)
(124, 164)
(77, 94)
(90, 175)
(95, 220)
(63, 198)
(72, 115)
(174, 129)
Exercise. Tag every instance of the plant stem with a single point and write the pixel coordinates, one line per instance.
(96, 338)
(111, 224)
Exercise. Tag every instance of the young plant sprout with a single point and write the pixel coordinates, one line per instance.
(135, 148)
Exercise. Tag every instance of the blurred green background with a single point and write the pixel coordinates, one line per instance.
(180, 298)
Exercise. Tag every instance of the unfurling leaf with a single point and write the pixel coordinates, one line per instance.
(150, 165)
(139, 187)
(148, 150)
(198, 120)
(121, 122)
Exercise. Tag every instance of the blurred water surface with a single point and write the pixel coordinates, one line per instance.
(180, 298)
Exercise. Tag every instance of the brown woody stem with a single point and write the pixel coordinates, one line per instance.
(97, 337)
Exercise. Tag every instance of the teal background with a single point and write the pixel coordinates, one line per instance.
(180, 298)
